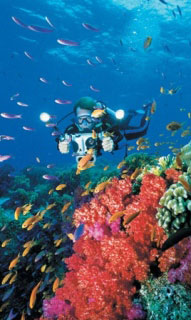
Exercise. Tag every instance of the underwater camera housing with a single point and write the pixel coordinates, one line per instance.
(81, 143)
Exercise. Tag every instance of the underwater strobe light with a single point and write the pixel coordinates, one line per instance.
(44, 116)
(120, 114)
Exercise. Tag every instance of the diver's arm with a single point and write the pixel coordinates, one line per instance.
(133, 132)
(116, 139)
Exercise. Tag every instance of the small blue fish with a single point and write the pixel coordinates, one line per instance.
(11, 315)
(79, 231)
(8, 293)
(164, 2)
(179, 11)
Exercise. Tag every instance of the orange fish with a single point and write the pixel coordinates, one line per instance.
(135, 173)
(66, 206)
(33, 295)
(185, 184)
(28, 222)
(131, 217)
(23, 316)
(83, 162)
(106, 168)
(26, 251)
(14, 262)
(178, 161)
(116, 215)
(153, 107)
(55, 284)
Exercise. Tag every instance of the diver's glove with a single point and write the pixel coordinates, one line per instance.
(64, 144)
(107, 144)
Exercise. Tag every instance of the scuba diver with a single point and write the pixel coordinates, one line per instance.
(98, 127)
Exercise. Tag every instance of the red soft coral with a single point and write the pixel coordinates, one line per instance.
(172, 175)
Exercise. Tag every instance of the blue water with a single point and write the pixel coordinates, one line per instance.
(133, 78)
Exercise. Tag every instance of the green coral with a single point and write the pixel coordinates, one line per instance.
(186, 154)
(164, 300)
(142, 160)
(176, 207)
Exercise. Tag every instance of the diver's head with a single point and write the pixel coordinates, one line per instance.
(83, 110)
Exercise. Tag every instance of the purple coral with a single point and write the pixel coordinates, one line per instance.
(182, 273)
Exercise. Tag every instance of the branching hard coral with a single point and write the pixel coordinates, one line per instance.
(175, 212)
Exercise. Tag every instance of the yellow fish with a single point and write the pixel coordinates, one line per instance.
(162, 90)
(189, 115)
(94, 134)
(121, 164)
(101, 186)
(38, 159)
(13, 278)
(26, 208)
(85, 193)
(142, 147)
(33, 295)
(46, 225)
(66, 206)
(116, 215)
(87, 185)
(42, 269)
(4, 243)
(17, 212)
(147, 42)
(70, 236)
(173, 91)
(57, 242)
(50, 191)
(131, 148)
(98, 113)
(61, 186)
(6, 278)
(26, 251)
(50, 206)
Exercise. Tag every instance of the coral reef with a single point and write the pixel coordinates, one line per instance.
(175, 212)
(164, 300)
